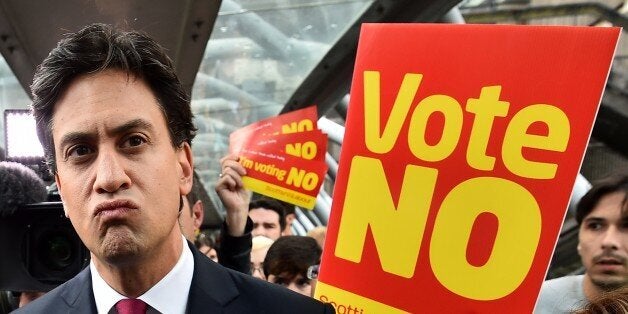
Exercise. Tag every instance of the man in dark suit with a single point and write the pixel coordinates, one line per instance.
(117, 128)
(214, 289)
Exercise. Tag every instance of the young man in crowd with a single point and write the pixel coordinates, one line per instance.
(268, 217)
(603, 248)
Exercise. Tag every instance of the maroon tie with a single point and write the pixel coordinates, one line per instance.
(131, 306)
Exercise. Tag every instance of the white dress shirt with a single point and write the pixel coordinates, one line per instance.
(169, 295)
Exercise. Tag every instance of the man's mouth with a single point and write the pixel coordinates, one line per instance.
(609, 261)
(114, 208)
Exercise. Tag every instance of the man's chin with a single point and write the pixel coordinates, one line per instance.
(609, 282)
(119, 247)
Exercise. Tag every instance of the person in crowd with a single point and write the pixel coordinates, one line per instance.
(261, 244)
(265, 215)
(289, 216)
(318, 233)
(288, 261)
(191, 216)
(602, 245)
(116, 127)
(191, 219)
(207, 245)
(236, 253)
(268, 217)
(245, 218)
(236, 237)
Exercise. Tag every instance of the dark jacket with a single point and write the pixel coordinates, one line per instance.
(214, 289)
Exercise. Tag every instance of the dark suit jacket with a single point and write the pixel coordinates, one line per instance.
(214, 289)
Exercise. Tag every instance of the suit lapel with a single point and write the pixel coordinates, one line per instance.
(78, 293)
(212, 286)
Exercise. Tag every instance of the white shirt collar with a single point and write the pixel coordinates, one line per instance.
(169, 295)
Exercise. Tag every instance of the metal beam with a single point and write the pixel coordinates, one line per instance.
(547, 11)
(30, 29)
(330, 80)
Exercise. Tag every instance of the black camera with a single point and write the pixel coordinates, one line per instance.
(40, 248)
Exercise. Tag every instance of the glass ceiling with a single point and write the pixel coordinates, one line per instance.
(259, 52)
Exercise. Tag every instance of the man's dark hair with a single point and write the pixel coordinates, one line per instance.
(271, 204)
(99, 47)
(292, 255)
(288, 208)
(612, 184)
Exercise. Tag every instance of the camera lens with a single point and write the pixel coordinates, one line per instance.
(48, 248)
(56, 251)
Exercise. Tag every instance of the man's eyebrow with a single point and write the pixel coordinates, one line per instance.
(75, 137)
(78, 137)
(131, 125)
(595, 219)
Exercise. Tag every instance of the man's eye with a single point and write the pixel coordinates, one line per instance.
(79, 150)
(281, 281)
(594, 226)
(133, 141)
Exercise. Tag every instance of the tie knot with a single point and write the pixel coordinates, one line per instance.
(131, 306)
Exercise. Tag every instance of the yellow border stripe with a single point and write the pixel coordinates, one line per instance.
(346, 302)
(278, 192)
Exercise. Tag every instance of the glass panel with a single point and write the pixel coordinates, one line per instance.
(258, 54)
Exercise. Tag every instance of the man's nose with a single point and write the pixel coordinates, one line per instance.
(611, 240)
(111, 175)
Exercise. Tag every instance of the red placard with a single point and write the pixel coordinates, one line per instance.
(462, 146)
(292, 122)
(284, 156)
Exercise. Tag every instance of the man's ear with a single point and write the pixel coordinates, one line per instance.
(186, 164)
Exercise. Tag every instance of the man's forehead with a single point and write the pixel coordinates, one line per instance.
(610, 206)
(118, 97)
(264, 215)
(264, 210)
